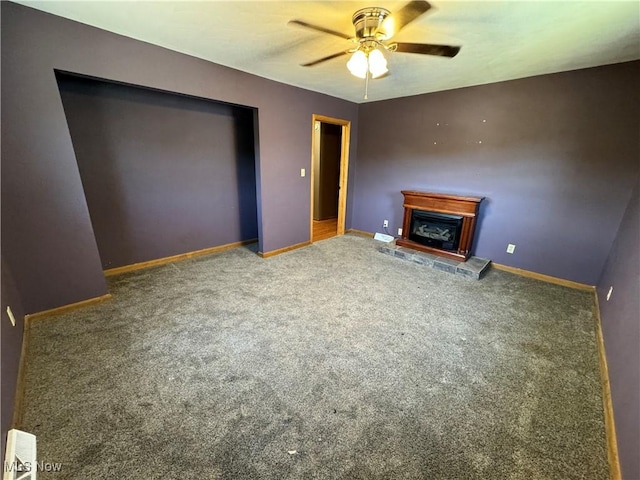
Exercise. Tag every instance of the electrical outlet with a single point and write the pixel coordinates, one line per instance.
(400, 232)
(303, 172)
(511, 248)
(13, 319)
(385, 223)
(609, 293)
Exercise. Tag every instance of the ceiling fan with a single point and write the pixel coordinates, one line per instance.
(374, 27)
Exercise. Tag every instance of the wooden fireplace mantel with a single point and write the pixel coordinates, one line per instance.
(466, 207)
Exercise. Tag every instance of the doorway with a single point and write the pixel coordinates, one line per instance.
(329, 174)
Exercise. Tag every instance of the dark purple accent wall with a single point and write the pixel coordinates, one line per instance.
(163, 174)
(621, 329)
(556, 157)
(48, 240)
(11, 338)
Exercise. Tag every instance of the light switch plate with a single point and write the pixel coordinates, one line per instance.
(303, 172)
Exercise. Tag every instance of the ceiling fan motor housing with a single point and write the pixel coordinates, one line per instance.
(368, 23)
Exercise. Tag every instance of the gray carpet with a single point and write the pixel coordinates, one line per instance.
(361, 365)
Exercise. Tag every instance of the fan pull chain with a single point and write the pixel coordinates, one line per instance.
(366, 85)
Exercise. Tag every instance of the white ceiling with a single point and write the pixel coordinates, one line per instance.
(501, 40)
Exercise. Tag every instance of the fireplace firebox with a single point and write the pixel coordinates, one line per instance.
(439, 223)
(436, 230)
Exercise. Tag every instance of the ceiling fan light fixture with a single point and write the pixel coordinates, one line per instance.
(377, 63)
(374, 28)
(372, 61)
(358, 64)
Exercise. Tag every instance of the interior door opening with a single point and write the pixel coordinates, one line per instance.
(329, 177)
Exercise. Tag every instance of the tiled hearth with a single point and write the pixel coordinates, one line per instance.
(474, 267)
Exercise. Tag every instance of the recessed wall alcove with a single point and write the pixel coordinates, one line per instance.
(163, 173)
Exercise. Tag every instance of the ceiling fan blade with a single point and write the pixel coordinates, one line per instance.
(317, 28)
(324, 59)
(400, 19)
(427, 49)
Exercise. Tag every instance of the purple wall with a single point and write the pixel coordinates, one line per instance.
(163, 174)
(557, 161)
(48, 240)
(11, 338)
(621, 330)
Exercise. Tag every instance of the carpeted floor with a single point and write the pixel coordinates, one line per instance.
(329, 362)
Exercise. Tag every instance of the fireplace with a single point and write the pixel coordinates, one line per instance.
(439, 223)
